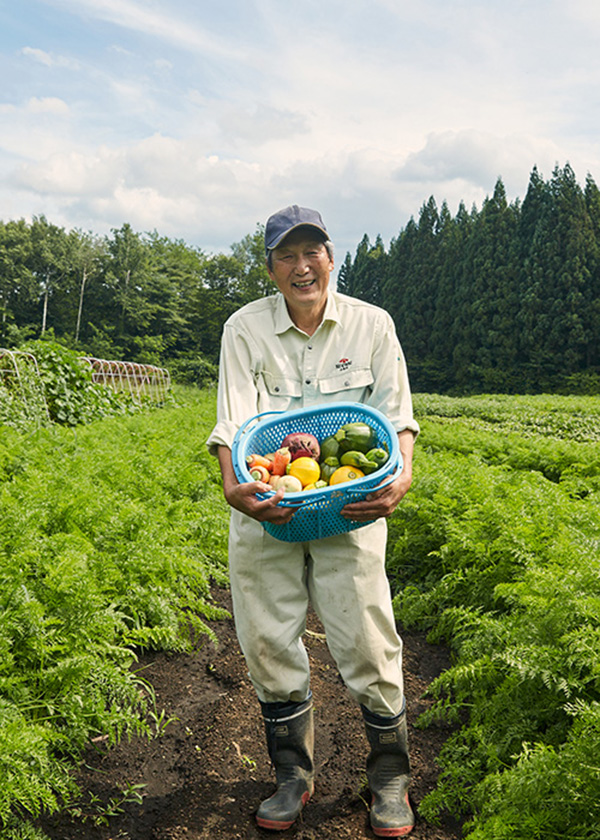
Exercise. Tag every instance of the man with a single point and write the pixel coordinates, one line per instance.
(305, 346)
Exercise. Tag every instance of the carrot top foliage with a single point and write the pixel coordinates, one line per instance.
(111, 535)
(113, 531)
(497, 551)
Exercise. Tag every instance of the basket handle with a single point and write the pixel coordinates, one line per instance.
(392, 477)
(284, 502)
(243, 429)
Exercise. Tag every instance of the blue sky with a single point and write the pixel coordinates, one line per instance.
(199, 118)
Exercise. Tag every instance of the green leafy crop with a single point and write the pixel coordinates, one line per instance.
(111, 535)
(496, 550)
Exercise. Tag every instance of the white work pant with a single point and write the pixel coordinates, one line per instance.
(344, 578)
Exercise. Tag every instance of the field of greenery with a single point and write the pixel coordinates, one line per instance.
(497, 550)
(112, 533)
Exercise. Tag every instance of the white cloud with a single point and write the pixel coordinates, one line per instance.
(584, 11)
(177, 187)
(475, 157)
(47, 105)
(262, 124)
(171, 185)
(162, 64)
(159, 183)
(51, 105)
(66, 174)
(48, 59)
(148, 19)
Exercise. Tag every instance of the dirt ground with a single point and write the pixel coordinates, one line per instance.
(206, 774)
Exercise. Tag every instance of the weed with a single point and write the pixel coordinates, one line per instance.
(100, 812)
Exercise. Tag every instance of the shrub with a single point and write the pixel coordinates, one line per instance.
(193, 370)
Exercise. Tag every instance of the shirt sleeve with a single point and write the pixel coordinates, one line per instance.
(237, 395)
(391, 388)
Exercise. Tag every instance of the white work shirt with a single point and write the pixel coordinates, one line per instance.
(268, 364)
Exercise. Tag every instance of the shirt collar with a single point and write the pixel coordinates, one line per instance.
(283, 322)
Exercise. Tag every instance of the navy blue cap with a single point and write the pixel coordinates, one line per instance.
(285, 221)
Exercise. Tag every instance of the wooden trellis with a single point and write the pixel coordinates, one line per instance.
(141, 382)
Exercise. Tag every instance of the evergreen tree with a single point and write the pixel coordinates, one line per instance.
(399, 278)
(506, 298)
(535, 208)
(345, 276)
(494, 293)
(448, 316)
(410, 289)
(556, 281)
(369, 270)
(592, 295)
(459, 264)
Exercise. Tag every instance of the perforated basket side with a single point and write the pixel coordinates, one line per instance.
(322, 421)
(317, 520)
(317, 511)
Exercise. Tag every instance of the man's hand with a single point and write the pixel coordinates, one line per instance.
(384, 502)
(378, 502)
(243, 496)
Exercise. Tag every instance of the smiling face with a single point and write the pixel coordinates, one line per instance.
(300, 267)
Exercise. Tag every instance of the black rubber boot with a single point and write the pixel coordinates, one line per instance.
(290, 739)
(388, 772)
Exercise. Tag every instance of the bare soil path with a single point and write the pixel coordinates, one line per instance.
(206, 774)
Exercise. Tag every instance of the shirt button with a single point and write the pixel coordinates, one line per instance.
(307, 381)
(276, 389)
(347, 383)
(309, 346)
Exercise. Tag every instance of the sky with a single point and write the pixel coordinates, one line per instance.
(199, 118)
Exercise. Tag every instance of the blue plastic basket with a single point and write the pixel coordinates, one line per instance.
(317, 511)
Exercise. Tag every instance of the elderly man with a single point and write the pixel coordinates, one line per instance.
(309, 345)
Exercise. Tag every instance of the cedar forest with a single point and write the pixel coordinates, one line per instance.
(502, 299)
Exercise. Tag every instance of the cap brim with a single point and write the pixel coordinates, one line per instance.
(280, 239)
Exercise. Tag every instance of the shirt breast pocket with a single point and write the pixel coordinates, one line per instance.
(348, 385)
(277, 392)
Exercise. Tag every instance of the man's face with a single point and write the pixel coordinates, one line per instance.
(300, 268)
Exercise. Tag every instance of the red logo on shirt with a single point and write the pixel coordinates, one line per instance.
(343, 364)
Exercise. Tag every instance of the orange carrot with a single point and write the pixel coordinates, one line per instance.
(281, 459)
(255, 460)
(260, 473)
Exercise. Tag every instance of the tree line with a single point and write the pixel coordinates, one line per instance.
(505, 298)
(133, 296)
(501, 299)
